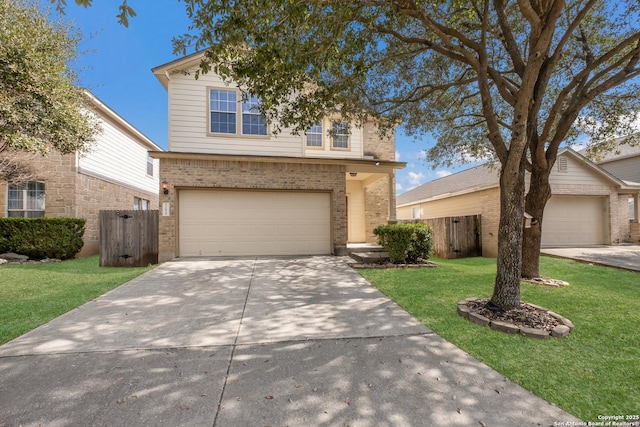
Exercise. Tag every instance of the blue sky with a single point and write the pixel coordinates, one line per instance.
(117, 69)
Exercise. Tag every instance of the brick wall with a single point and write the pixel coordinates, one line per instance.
(72, 194)
(95, 194)
(383, 148)
(634, 232)
(205, 173)
(376, 206)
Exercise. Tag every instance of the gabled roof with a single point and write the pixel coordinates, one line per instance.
(466, 181)
(163, 71)
(487, 176)
(622, 151)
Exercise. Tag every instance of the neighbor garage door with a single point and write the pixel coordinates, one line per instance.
(574, 221)
(220, 223)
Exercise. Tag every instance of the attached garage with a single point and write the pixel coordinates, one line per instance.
(236, 223)
(574, 221)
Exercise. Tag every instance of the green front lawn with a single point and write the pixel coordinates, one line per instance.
(33, 294)
(594, 371)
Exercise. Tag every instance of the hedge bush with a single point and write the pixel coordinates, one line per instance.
(406, 243)
(40, 238)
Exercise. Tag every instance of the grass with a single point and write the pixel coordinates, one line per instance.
(594, 371)
(33, 294)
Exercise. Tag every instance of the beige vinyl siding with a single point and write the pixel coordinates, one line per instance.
(405, 212)
(355, 212)
(466, 204)
(355, 150)
(576, 174)
(119, 158)
(627, 169)
(189, 127)
(189, 124)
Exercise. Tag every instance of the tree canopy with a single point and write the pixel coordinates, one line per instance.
(504, 79)
(510, 80)
(41, 107)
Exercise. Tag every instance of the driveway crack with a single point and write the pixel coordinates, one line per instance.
(235, 342)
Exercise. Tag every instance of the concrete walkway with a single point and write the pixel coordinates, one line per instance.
(625, 256)
(254, 342)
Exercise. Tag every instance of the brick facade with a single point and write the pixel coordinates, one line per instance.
(379, 196)
(276, 174)
(376, 202)
(383, 148)
(72, 194)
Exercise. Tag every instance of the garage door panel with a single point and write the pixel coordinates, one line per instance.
(218, 223)
(574, 221)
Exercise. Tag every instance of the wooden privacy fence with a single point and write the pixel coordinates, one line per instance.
(455, 237)
(128, 238)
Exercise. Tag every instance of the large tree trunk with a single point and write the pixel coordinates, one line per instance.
(506, 291)
(537, 197)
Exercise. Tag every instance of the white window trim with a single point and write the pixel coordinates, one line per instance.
(348, 134)
(25, 208)
(321, 133)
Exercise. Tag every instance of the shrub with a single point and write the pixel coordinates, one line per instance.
(40, 238)
(406, 243)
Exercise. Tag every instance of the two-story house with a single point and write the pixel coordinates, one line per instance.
(116, 173)
(624, 163)
(232, 187)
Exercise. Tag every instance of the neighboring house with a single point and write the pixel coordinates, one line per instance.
(588, 205)
(624, 163)
(234, 188)
(117, 173)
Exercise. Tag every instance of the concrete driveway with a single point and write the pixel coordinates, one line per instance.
(626, 256)
(253, 342)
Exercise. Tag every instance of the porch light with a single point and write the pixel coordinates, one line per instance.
(165, 186)
(353, 173)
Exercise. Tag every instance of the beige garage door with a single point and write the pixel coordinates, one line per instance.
(221, 223)
(574, 221)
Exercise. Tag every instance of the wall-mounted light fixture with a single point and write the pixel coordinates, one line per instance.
(353, 173)
(165, 186)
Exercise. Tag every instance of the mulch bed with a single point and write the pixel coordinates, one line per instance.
(523, 316)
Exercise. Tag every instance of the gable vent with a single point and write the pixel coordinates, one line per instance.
(563, 164)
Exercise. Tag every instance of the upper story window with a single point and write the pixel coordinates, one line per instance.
(314, 135)
(253, 122)
(223, 108)
(149, 165)
(340, 135)
(26, 200)
(227, 115)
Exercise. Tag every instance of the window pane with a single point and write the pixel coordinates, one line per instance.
(340, 134)
(223, 111)
(314, 135)
(223, 122)
(16, 200)
(253, 123)
(149, 166)
(26, 200)
(35, 196)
